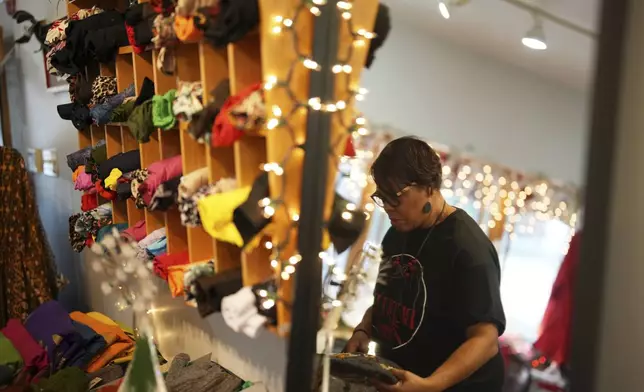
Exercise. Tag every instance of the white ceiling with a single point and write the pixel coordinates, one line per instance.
(495, 28)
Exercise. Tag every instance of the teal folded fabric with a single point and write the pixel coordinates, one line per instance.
(107, 229)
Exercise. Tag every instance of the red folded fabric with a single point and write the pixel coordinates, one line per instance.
(89, 201)
(158, 173)
(33, 355)
(163, 262)
(136, 232)
(224, 133)
(104, 193)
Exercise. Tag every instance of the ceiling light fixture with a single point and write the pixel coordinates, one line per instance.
(443, 9)
(535, 38)
(446, 6)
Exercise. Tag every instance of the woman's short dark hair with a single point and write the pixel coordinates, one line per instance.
(404, 161)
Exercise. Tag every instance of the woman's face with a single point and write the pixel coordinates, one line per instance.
(406, 211)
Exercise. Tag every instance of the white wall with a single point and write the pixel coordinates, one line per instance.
(424, 86)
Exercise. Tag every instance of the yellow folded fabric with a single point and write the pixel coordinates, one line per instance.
(216, 212)
(112, 180)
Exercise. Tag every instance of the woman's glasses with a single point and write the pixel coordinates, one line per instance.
(381, 198)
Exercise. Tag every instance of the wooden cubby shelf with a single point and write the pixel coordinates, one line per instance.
(253, 59)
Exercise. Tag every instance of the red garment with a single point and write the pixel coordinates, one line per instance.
(554, 341)
(224, 132)
(163, 262)
(136, 232)
(138, 49)
(89, 201)
(104, 193)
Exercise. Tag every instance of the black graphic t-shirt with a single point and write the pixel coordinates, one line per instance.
(424, 302)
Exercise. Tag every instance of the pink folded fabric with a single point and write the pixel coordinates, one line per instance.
(33, 355)
(136, 232)
(158, 173)
(83, 182)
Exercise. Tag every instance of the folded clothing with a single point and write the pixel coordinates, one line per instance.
(93, 343)
(140, 122)
(165, 195)
(162, 115)
(50, 324)
(82, 156)
(71, 379)
(216, 213)
(89, 201)
(212, 289)
(239, 311)
(33, 355)
(9, 356)
(103, 87)
(120, 341)
(136, 232)
(236, 18)
(158, 173)
(107, 229)
(188, 205)
(83, 181)
(158, 247)
(163, 262)
(150, 239)
(125, 162)
(137, 178)
(191, 182)
(188, 100)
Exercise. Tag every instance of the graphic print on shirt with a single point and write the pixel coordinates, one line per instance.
(400, 298)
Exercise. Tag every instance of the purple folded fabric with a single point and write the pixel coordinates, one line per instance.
(50, 325)
(158, 173)
(33, 355)
(83, 182)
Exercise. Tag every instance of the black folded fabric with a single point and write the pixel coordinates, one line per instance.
(212, 289)
(123, 190)
(76, 51)
(202, 121)
(125, 162)
(137, 12)
(81, 117)
(83, 90)
(103, 44)
(249, 216)
(146, 92)
(345, 232)
(143, 33)
(235, 19)
(165, 195)
(381, 28)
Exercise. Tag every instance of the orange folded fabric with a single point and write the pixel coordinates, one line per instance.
(79, 169)
(121, 342)
(186, 30)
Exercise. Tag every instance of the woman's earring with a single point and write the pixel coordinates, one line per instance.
(427, 208)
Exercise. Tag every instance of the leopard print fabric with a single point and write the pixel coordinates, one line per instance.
(28, 274)
(103, 88)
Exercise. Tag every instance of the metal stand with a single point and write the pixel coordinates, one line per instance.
(308, 285)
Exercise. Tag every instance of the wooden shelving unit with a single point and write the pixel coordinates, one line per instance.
(254, 59)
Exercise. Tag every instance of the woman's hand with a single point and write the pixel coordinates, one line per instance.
(407, 382)
(359, 343)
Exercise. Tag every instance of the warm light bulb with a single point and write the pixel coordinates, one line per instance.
(263, 293)
(289, 269)
(269, 211)
(346, 215)
(310, 64)
(363, 131)
(315, 103)
(315, 11)
(346, 15)
(275, 263)
(269, 303)
(295, 217)
(347, 68)
(272, 123)
(344, 5)
(277, 112)
(268, 245)
(361, 121)
(285, 275)
(337, 68)
(341, 105)
(271, 81)
(295, 259)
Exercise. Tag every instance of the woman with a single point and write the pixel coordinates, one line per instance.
(437, 309)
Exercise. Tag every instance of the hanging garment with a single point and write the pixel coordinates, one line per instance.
(28, 275)
(554, 340)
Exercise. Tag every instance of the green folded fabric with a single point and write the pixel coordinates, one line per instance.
(140, 122)
(9, 356)
(162, 114)
(122, 112)
(99, 154)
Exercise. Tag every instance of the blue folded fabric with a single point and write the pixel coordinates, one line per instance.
(158, 248)
(102, 113)
(94, 344)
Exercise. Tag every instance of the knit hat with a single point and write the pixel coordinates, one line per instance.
(162, 114)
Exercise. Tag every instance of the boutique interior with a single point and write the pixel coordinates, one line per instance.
(165, 178)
